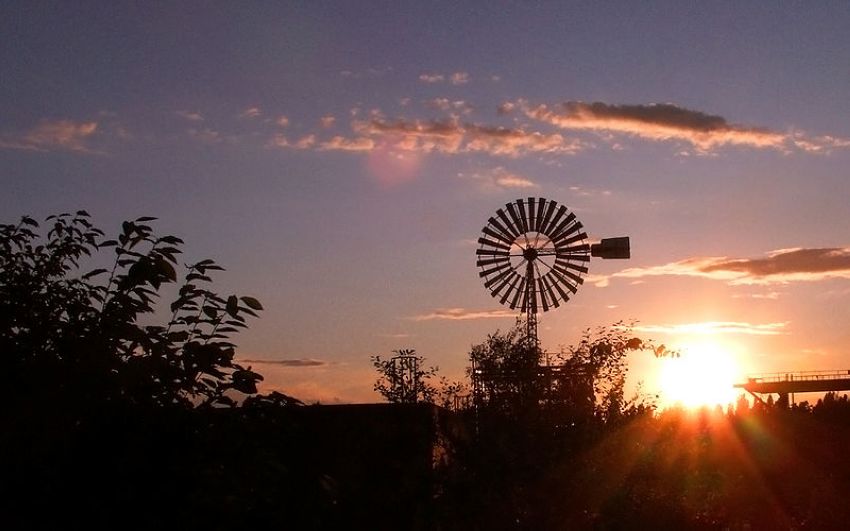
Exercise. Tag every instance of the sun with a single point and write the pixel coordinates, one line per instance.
(704, 375)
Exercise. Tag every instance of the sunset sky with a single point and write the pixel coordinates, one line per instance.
(341, 158)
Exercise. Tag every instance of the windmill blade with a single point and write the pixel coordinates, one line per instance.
(543, 295)
(523, 215)
(578, 237)
(502, 285)
(532, 214)
(507, 222)
(502, 229)
(488, 272)
(482, 262)
(514, 279)
(574, 257)
(497, 278)
(499, 236)
(553, 223)
(566, 231)
(491, 252)
(570, 265)
(491, 243)
(545, 211)
(574, 250)
(562, 226)
(515, 217)
(556, 283)
(564, 274)
(548, 286)
(519, 292)
(546, 218)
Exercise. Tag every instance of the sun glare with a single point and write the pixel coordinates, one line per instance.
(703, 375)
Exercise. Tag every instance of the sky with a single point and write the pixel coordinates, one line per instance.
(340, 160)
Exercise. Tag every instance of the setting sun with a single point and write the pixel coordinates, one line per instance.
(703, 375)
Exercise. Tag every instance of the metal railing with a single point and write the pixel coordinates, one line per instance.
(801, 376)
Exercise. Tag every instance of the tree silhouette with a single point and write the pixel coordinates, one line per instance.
(510, 375)
(71, 334)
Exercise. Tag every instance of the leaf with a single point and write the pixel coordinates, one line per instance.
(145, 218)
(211, 313)
(83, 213)
(252, 303)
(93, 273)
(232, 307)
(166, 269)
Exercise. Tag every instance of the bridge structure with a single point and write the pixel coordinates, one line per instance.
(787, 384)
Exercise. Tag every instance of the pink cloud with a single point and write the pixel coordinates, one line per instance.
(662, 121)
(61, 135)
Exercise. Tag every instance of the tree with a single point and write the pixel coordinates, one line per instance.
(74, 336)
(404, 379)
(587, 379)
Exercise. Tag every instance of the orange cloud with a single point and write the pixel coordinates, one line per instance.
(714, 327)
(461, 314)
(299, 362)
(64, 135)
(661, 121)
(499, 179)
(452, 136)
(339, 143)
(778, 267)
(459, 78)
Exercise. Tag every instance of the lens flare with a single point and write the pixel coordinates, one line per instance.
(704, 375)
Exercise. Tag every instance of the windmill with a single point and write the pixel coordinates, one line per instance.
(532, 255)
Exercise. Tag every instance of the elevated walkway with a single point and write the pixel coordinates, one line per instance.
(797, 382)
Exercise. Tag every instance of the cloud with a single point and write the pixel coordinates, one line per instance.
(327, 121)
(452, 136)
(461, 314)
(339, 143)
(432, 78)
(714, 327)
(251, 112)
(192, 116)
(459, 78)
(207, 136)
(506, 108)
(778, 267)
(656, 121)
(445, 104)
(438, 136)
(589, 192)
(298, 362)
(499, 179)
(59, 135)
(282, 121)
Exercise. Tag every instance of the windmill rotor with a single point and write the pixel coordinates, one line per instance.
(533, 253)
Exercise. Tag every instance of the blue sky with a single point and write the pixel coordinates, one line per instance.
(340, 159)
